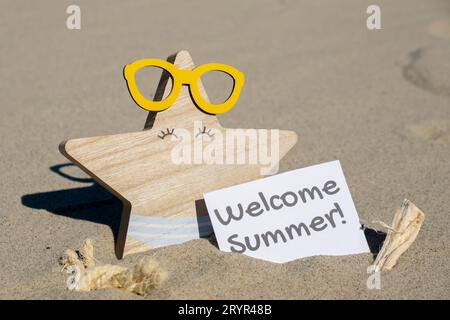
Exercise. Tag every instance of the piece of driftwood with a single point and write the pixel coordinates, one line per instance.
(85, 275)
(162, 201)
(401, 234)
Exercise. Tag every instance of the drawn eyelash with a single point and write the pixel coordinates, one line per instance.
(204, 131)
(168, 132)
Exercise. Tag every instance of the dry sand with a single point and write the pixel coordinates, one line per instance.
(379, 101)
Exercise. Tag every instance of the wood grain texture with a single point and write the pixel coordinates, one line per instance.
(138, 169)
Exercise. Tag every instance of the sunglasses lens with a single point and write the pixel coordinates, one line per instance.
(147, 81)
(219, 86)
(146, 90)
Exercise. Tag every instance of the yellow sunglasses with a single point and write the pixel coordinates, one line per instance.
(183, 77)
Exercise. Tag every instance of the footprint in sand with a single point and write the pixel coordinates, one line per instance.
(437, 131)
(440, 28)
(429, 68)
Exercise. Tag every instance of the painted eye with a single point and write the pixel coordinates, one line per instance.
(166, 133)
(204, 131)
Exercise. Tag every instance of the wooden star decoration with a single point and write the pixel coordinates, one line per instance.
(162, 201)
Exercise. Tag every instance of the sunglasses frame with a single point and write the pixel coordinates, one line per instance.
(183, 77)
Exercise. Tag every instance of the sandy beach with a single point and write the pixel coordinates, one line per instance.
(377, 100)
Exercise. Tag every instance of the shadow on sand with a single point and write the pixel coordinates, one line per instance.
(375, 239)
(92, 203)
